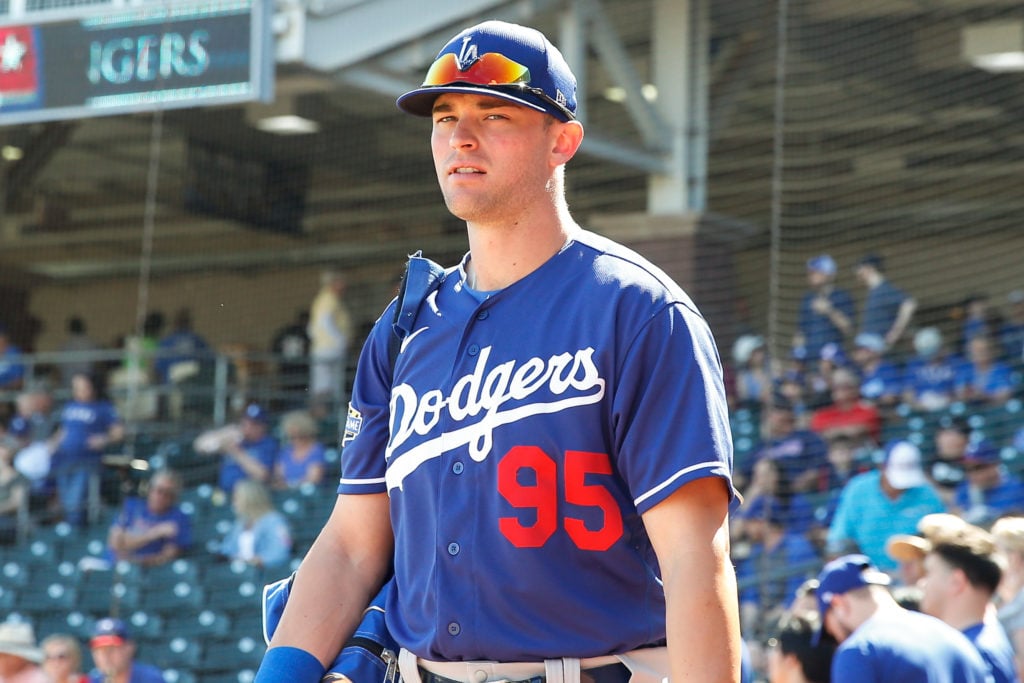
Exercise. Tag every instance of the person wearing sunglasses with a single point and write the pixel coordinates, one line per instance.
(62, 659)
(546, 460)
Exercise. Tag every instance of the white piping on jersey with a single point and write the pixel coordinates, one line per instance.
(478, 392)
(668, 482)
(405, 342)
(361, 482)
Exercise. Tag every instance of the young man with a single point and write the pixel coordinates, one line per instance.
(881, 641)
(961, 574)
(547, 460)
(795, 657)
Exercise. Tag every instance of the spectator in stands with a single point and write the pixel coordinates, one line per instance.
(909, 550)
(291, 349)
(62, 659)
(12, 371)
(113, 652)
(930, 375)
(887, 309)
(1008, 533)
(14, 493)
(826, 311)
(88, 425)
(983, 379)
(19, 655)
(795, 656)
(155, 530)
(1011, 334)
(780, 560)
(32, 426)
(247, 450)
(989, 490)
(791, 385)
(260, 535)
(875, 505)
(848, 415)
(180, 351)
(301, 460)
(800, 454)
(979, 320)
(881, 381)
(78, 345)
(961, 576)
(880, 640)
(946, 469)
(820, 375)
(753, 376)
(330, 333)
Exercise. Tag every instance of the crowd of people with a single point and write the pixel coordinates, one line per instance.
(883, 457)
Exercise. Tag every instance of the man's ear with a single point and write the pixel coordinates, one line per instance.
(567, 141)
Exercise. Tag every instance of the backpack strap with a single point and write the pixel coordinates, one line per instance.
(421, 278)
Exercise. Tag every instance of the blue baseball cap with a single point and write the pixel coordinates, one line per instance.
(109, 631)
(981, 452)
(822, 264)
(843, 575)
(503, 60)
(256, 413)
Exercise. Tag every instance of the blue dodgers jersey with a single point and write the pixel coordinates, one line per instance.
(521, 440)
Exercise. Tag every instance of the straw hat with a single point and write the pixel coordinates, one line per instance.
(17, 638)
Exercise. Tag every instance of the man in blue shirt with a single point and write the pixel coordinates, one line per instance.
(881, 641)
(253, 456)
(876, 505)
(961, 574)
(826, 312)
(988, 490)
(887, 310)
(113, 652)
(154, 530)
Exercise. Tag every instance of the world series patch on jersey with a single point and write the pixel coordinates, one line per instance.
(523, 434)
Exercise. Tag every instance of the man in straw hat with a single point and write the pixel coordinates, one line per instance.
(19, 655)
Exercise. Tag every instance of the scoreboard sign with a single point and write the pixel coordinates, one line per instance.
(122, 60)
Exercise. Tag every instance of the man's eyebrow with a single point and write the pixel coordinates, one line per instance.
(482, 103)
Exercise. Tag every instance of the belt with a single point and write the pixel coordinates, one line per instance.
(616, 672)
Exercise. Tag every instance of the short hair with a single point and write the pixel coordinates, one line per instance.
(796, 637)
(300, 422)
(1009, 532)
(68, 641)
(253, 498)
(973, 552)
(172, 476)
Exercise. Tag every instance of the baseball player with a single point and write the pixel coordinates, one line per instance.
(881, 641)
(547, 460)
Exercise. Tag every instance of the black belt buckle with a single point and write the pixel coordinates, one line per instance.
(616, 672)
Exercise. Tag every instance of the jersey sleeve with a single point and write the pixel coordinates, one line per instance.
(366, 432)
(670, 416)
(851, 665)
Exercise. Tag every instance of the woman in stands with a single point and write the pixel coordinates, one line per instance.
(62, 659)
(301, 460)
(260, 535)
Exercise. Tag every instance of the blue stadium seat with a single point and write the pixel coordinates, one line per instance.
(205, 624)
(232, 655)
(181, 597)
(179, 676)
(178, 652)
(247, 595)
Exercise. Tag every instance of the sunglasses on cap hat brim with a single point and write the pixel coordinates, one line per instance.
(493, 72)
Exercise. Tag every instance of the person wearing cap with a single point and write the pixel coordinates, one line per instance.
(154, 530)
(881, 641)
(799, 454)
(248, 450)
(888, 310)
(753, 378)
(909, 550)
(826, 312)
(881, 380)
(19, 655)
(961, 575)
(983, 379)
(930, 374)
(796, 656)
(878, 504)
(529, 460)
(113, 653)
(989, 490)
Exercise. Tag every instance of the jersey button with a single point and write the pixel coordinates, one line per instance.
(458, 467)
(483, 315)
(453, 549)
(454, 629)
(473, 349)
